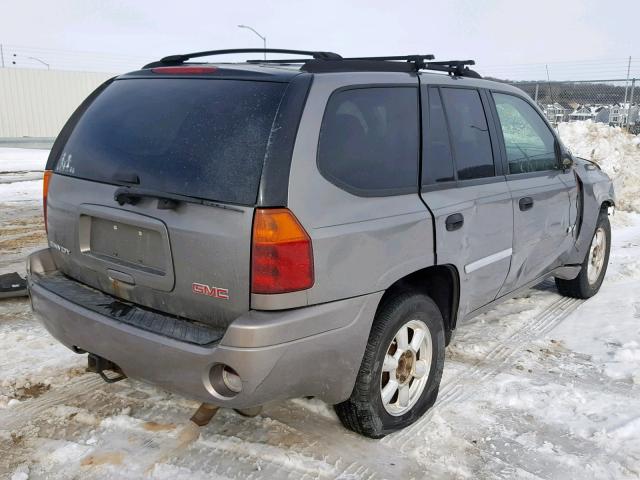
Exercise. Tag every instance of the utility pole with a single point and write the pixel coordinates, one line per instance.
(626, 83)
(549, 83)
(633, 86)
(626, 86)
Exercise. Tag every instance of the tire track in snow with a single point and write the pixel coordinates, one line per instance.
(30, 410)
(490, 364)
(502, 353)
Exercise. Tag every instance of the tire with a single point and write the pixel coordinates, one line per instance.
(586, 284)
(365, 412)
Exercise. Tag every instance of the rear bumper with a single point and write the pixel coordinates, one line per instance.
(314, 350)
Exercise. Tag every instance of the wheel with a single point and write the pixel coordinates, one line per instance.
(249, 412)
(594, 266)
(401, 369)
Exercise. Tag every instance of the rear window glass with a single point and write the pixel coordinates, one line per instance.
(437, 161)
(369, 140)
(469, 133)
(196, 137)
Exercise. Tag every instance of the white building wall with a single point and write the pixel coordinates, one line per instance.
(37, 103)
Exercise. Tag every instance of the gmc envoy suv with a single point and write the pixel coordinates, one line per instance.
(247, 232)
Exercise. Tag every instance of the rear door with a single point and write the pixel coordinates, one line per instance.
(153, 194)
(463, 186)
(542, 193)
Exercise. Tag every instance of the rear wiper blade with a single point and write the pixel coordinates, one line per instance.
(166, 201)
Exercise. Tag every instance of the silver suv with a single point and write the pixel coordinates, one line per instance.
(247, 232)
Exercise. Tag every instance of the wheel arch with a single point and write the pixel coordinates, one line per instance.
(441, 283)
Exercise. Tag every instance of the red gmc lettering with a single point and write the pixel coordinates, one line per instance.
(215, 292)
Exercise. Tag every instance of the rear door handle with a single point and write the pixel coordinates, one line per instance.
(526, 203)
(454, 222)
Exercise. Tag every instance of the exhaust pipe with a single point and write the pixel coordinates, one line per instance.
(204, 414)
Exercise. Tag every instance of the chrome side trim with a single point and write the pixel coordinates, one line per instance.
(483, 262)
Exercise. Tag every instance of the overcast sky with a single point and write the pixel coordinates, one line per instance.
(507, 38)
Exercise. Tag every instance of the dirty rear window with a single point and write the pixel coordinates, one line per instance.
(196, 137)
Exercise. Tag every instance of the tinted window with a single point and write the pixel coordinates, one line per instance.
(369, 140)
(469, 133)
(202, 138)
(529, 142)
(437, 161)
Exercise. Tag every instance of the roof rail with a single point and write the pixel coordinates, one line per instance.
(332, 62)
(178, 59)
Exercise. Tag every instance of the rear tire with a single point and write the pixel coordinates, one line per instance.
(594, 266)
(406, 346)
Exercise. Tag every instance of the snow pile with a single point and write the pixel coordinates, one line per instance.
(22, 160)
(20, 177)
(616, 151)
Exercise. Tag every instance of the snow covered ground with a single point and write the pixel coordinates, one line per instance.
(540, 387)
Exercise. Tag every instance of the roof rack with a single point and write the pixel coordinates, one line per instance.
(321, 62)
(178, 59)
(457, 68)
(402, 63)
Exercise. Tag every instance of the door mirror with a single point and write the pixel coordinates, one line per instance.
(566, 160)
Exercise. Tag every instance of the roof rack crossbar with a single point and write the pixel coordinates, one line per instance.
(178, 59)
(454, 67)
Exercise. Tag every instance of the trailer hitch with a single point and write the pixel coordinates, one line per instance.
(97, 364)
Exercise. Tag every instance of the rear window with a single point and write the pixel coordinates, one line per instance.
(469, 133)
(369, 140)
(196, 137)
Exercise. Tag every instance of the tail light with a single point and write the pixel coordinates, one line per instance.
(45, 193)
(281, 253)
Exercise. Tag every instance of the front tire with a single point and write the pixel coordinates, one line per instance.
(400, 374)
(594, 266)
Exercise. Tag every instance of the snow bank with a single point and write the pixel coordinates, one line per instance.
(22, 160)
(616, 151)
(16, 185)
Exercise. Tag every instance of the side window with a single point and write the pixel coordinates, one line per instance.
(369, 140)
(529, 142)
(437, 161)
(469, 133)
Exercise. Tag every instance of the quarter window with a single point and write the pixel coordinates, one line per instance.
(529, 143)
(369, 140)
(469, 133)
(437, 158)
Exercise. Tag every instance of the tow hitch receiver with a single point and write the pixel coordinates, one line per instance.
(97, 364)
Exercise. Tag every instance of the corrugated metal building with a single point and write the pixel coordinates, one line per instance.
(37, 103)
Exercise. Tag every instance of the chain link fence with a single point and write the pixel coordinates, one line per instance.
(613, 102)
